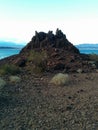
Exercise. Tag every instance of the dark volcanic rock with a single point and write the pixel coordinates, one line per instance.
(20, 61)
(49, 40)
(61, 54)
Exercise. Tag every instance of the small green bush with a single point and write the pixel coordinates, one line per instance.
(37, 56)
(39, 60)
(60, 79)
(9, 69)
(94, 58)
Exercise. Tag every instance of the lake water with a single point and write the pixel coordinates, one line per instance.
(89, 50)
(8, 52)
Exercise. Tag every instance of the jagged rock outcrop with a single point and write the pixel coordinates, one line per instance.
(60, 54)
(50, 40)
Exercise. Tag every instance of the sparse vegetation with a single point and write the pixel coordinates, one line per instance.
(94, 59)
(14, 79)
(9, 69)
(2, 83)
(39, 60)
(33, 102)
(79, 71)
(60, 79)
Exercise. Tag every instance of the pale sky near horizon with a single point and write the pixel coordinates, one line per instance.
(78, 19)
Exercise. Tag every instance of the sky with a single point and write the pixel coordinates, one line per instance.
(78, 19)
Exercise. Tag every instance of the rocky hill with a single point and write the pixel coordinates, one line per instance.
(48, 41)
(53, 52)
(30, 101)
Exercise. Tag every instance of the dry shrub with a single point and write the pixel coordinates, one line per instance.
(94, 59)
(2, 83)
(60, 79)
(79, 71)
(14, 79)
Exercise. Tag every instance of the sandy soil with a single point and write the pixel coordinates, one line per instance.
(35, 104)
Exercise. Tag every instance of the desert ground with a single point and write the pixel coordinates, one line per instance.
(33, 102)
(36, 104)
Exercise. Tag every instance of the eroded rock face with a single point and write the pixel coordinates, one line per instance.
(50, 40)
(61, 55)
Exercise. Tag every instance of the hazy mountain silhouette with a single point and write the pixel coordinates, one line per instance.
(87, 45)
(11, 44)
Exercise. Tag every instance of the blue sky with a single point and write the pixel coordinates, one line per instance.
(78, 19)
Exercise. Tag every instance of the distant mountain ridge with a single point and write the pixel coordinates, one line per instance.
(8, 44)
(11, 44)
(9, 47)
(87, 45)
